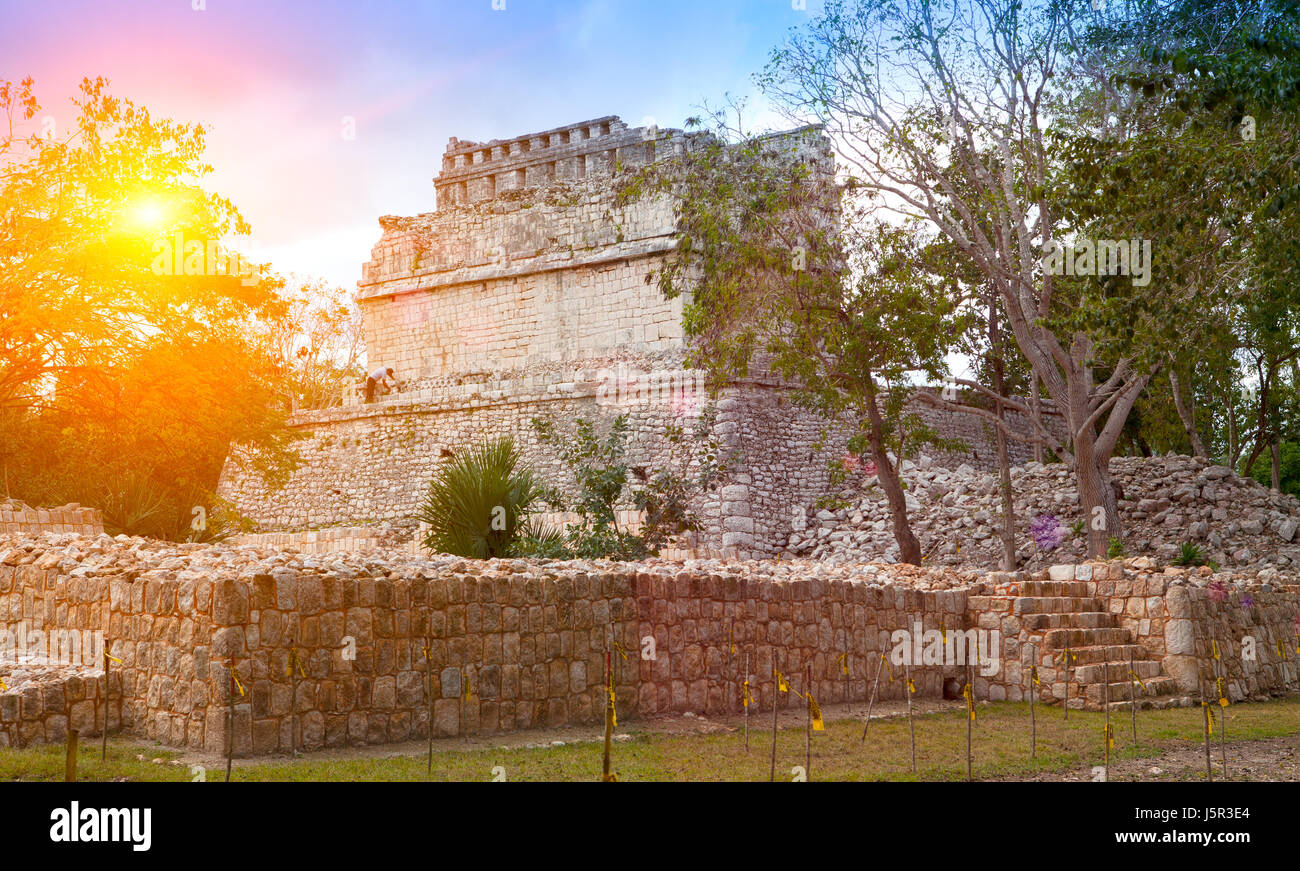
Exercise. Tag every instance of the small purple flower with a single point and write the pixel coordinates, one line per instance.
(1047, 531)
(1246, 601)
(1218, 592)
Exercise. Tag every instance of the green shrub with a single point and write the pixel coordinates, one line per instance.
(1114, 548)
(1189, 554)
(478, 504)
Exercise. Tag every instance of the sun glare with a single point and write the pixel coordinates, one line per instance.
(147, 213)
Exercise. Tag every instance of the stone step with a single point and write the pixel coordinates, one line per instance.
(1115, 672)
(1070, 620)
(1054, 604)
(1104, 653)
(1035, 589)
(1055, 639)
(1158, 686)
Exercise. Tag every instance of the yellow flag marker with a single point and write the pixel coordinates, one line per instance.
(1214, 648)
(1223, 697)
(781, 685)
(911, 686)
(234, 674)
(818, 725)
(469, 688)
(114, 658)
(888, 668)
(294, 662)
(1206, 705)
(613, 710)
(747, 697)
(970, 700)
(1033, 673)
(1108, 731)
(4, 686)
(844, 663)
(1137, 680)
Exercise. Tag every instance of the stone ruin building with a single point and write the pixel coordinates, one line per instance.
(526, 294)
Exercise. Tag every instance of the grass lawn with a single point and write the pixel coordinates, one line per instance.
(1000, 741)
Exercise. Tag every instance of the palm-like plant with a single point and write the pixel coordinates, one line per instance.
(478, 503)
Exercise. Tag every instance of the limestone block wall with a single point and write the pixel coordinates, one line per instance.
(18, 518)
(1257, 640)
(41, 706)
(374, 462)
(368, 463)
(500, 292)
(374, 634)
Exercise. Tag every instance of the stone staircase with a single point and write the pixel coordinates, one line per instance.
(1063, 614)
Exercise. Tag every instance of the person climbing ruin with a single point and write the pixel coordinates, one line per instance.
(385, 377)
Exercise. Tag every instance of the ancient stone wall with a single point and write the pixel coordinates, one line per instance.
(372, 635)
(16, 517)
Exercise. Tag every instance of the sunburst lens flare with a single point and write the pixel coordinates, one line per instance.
(146, 214)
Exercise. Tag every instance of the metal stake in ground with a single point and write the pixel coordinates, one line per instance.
(609, 718)
(1105, 683)
(778, 686)
(1205, 709)
(744, 700)
(230, 722)
(294, 668)
(1132, 696)
(103, 750)
(1033, 722)
(1221, 686)
(807, 739)
(70, 758)
(428, 675)
(844, 667)
(970, 718)
(871, 704)
(907, 691)
(1066, 703)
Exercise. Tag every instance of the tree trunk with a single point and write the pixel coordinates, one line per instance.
(1276, 450)
(1186, 413)
(1036, 405)
(1008, 503)
(909, 549)
(1096, 496)
(1004, 460)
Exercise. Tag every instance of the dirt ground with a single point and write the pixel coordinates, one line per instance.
(674, 725)
(1272, 759)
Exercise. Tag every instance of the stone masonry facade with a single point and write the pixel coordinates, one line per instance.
(527, 294)
(384, 643)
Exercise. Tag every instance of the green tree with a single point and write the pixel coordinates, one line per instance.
(949, 110)
(787, 274)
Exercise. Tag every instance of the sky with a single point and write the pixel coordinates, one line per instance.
(281, 83)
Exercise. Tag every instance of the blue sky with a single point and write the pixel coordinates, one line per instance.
(276, 78)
